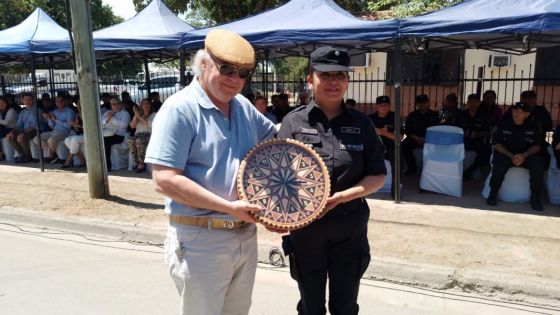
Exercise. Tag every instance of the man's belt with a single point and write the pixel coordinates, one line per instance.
(208, 223)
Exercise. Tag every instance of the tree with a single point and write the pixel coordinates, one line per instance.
(220, 11)
(406, 8)
(15, 11)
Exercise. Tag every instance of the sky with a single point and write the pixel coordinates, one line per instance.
(123, 8)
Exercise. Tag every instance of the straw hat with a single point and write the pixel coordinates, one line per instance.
(230, 48)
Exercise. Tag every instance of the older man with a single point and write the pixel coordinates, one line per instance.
(199, 138)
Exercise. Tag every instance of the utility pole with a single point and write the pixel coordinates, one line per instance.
(89, 98)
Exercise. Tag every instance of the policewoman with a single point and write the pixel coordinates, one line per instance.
(336, 245)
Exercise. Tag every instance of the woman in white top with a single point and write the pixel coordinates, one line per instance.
(142, 121)
(114, 123)
(8, 119)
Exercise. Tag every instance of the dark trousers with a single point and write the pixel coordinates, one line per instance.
(107, 143)
(335, 246)
(482, 151)
(501, 164)
(408, 145)
(557, 156)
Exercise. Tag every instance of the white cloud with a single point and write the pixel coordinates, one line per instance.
(124, 8)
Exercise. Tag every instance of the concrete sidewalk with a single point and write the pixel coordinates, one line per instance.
(430, 240)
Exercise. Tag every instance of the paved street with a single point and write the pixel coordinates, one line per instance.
(52, 272)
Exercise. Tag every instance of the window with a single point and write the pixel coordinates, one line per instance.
(547, 65)
(438, 67)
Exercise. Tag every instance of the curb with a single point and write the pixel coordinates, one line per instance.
(380, 268)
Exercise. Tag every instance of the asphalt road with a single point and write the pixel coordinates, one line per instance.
(53, 272)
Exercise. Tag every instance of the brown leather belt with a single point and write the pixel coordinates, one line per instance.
(208, 223)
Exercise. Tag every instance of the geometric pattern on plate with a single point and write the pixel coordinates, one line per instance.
(288, 180)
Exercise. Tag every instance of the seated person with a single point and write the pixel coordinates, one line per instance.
(75, 140)
(516, 142)
(8, 120)
(493, 111)
(416, 125)
(556, 145)
(541, 117)
(142, 122)
(60, 121)
(115, 123)
(105, 102)
(262, 107)
(476, 128)
(449, 110)
(282, 107)
(384, 121)
(25, 129)
(351, 103)
(156, 101)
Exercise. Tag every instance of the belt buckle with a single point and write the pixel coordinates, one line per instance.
(228, 224)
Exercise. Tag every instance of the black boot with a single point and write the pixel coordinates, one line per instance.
(536, 204)
(492, 198)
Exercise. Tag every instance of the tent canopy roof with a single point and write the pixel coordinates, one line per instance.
(296, 27)
(496, 24)
(38, 34)
(154, 28)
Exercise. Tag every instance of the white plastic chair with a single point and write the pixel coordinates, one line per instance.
(119, 155)
(8, 150)
(553, 179)
(515, 187)
(388, 179)
(444, 152)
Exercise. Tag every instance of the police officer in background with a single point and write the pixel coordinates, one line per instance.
(336, 245)
(516, 142)
(384, 121)
(476, 128)
(415, 129)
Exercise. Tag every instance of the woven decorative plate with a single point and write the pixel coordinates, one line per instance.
(288, 179)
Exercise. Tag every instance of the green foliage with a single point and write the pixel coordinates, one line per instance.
(14, 12)
(291, 67)
(221, 11)
(406, 8)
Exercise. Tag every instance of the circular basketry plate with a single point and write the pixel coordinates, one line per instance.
(288, 179)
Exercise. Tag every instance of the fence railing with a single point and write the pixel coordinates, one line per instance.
(364, 87)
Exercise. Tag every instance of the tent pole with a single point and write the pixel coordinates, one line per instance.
(265, 74)
(397, 78)
(147, 76)
(88, 84)
(182, 67)
(34, 82)
(51, 76)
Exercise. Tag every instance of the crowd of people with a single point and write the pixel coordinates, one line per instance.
(60, 120)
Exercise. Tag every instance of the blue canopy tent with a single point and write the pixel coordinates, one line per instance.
(39, 36)
(153, 32)
(514, 26)
(298, 26)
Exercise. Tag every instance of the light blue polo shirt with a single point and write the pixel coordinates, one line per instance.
(192, 134)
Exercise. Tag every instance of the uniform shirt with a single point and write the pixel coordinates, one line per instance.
(556, 136)
(417, 123)
(28, 118)
(348, 144)
(540, 116)
(191, 134)
(63, 119)
(387, 121)
(517, 139)
(477, 123)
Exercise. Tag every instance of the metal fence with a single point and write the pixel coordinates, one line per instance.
(363, 86)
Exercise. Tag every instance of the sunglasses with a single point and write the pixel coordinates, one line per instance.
(227, 69)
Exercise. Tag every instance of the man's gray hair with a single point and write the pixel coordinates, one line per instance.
(201, 55)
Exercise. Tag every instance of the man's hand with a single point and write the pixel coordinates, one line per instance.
(518, 159)
(10, 136)
(419, 140)
(20, 137)
(47, 116)
(242, 210)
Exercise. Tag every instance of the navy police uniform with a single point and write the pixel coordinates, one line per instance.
(555, 141)
(335, 245)
(517, 139)
(416, 124)
(477, 123)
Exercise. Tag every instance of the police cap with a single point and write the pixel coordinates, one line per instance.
(328, 59)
